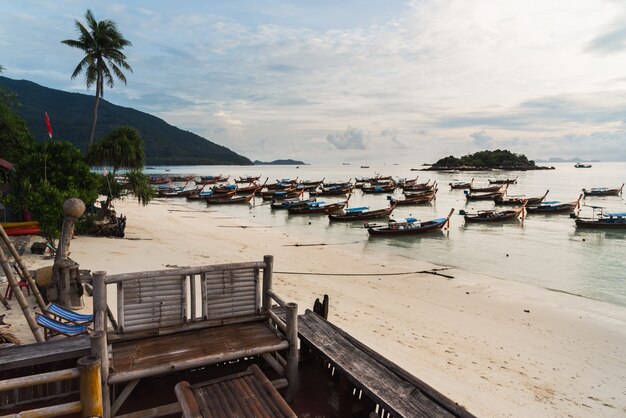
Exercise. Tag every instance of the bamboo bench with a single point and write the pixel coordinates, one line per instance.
(185, 318)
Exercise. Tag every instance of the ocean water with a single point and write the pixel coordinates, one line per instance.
(543, 250)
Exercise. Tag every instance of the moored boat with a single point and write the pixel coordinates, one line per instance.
(487, 189)
(379, 188)
(519, 199)
(455, 185)
(503, 181)
(333, 190)
(554, 207)
(493, 215)
(582, 165)
(414, 198)
(602, 220)
(409, 226)
(213, 200)
(485, 196)
(361, 213)
(318, 207)
(603, 191)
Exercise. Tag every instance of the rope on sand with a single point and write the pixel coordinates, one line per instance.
(404, 273)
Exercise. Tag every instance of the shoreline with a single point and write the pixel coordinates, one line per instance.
(498, 347)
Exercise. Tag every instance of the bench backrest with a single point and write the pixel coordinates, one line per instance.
(168, 298)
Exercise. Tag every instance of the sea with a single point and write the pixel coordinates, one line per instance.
(542, 250)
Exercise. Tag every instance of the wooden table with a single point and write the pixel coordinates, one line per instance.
(247, 394)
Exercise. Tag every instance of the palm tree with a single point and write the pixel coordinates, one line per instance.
(102, 43)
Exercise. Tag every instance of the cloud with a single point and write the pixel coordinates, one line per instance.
(482, 140)
(351, 138)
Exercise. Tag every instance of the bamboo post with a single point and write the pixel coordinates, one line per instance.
(90, 386)
(292, 355)
(267, 282)
(72, 209)
(23, 269)
(99, 337)
(21, 299)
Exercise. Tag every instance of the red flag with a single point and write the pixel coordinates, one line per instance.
(48, 126)
(105, 171)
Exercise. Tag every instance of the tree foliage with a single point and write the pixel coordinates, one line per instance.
(15, 137)
(123, 148)
(486, 159)
(102, 44)
(45, 176)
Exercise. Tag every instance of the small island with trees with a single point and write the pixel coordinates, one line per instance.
(486, 161)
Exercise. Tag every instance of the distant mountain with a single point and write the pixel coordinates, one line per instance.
(70, 116)
(279, 162)
(561, 160)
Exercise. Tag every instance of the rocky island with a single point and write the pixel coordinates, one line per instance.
(487, 161)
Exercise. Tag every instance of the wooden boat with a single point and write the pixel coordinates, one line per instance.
(406, 182)
(282, 194)
(582, 165)
(519, 199)
(247, 179)
(252, 187)
(487, 189)
(415, 199)
(484, 196)
(225, 188)
(183, 178)
(333, 191)
(158, 180)
(337, 184)
(455, 185)
(492, 215)
(382, 188)
(202, 195)
(554, 207)
(282, 184)
(422, 187)
(503, 181)
(409, 226)
(317, 207)
(218, 200)
(361, 213)
(177, 193)
(603, 191)
(602, 220)
(291, 203)
(212, 179)
(311, 184)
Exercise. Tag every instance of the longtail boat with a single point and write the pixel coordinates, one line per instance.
(492, 215)
(189, 177)
(291, 203)
(225, 188)
(409, 226)
(282, 194)
(485, 196)
(203, 194)
(603, 191)
(602, 220)
(229, 200)
(247, 179)
(487, 189)
(311, 184)
(178, 193)
(317, 207)
(423, 187)
(582, 165)
(333, 191)
(519, 199)
(361, 213)
(415, 199)
(554, 206)
(158, 180)
(379, 188)
(503, 181)
(461, 184)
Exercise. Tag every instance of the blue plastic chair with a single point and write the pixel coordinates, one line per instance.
(53, 327)
(61, 314)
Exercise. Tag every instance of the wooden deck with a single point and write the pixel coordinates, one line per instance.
(186, 350)
(391, 387)
(247, 394)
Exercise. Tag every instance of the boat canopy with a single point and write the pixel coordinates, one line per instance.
(616, 215)
(361, 209)
(404, 220)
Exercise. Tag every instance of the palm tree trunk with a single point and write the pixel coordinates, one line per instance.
(95, 109)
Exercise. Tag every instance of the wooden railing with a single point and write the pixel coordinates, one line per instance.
(90, 403)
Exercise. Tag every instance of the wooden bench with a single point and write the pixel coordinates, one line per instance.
(179, 319)
(247, 394)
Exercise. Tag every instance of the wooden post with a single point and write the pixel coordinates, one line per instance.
(90, 386)
(73, 209)
(99, 337)
(21, 299)
(23, 269)
(292, 355)
(267, 282)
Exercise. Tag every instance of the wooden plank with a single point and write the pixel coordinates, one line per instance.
(396, 394)
(180, 351)
(114, 278)
(46, 352)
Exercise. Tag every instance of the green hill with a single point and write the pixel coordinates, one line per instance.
(70, 115)
(487, 160)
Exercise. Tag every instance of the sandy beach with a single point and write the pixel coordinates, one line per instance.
(498, 347)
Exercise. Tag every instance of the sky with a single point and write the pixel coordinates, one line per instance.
(354, 81)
